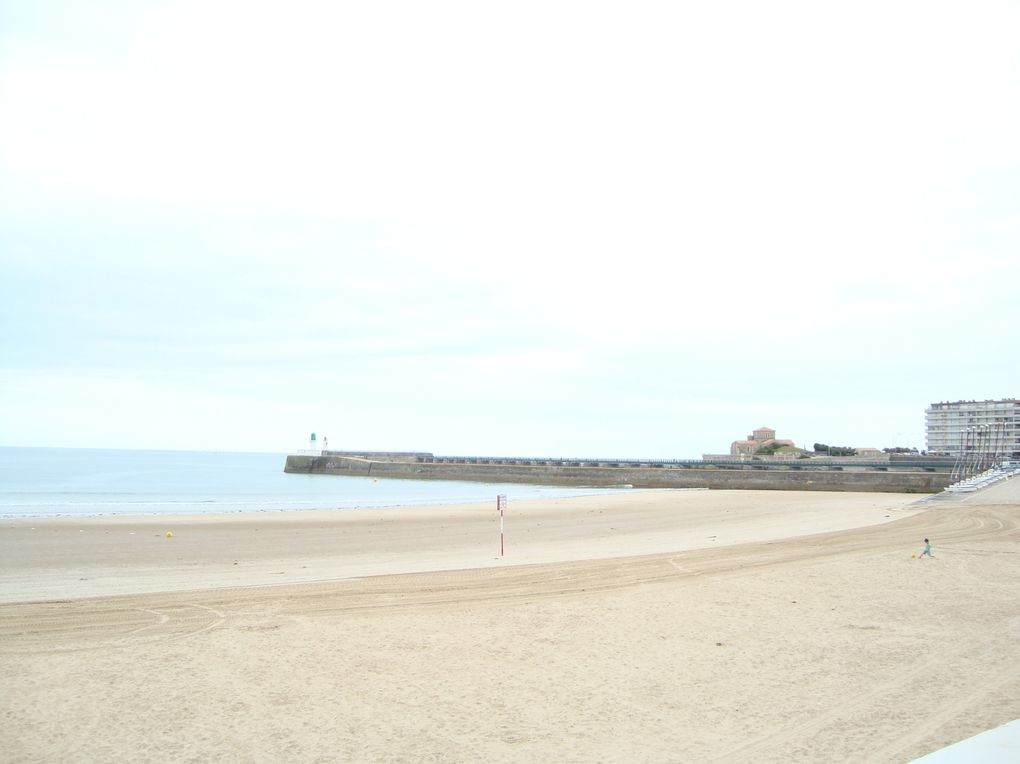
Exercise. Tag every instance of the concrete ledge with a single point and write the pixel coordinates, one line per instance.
(997, 746)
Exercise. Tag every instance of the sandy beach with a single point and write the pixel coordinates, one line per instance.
(658, 626)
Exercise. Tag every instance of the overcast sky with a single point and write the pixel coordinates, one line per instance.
(554, 228)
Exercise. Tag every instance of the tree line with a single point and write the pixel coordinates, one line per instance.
(822, 448)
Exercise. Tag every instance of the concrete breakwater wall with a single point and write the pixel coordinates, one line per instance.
(753, 477)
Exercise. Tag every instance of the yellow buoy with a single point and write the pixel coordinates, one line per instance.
(169, 534)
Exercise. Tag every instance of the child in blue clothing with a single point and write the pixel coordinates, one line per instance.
(927, 550)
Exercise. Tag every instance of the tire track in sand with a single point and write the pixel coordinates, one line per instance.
(94, 623)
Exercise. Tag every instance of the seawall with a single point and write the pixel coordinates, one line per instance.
(748, 476)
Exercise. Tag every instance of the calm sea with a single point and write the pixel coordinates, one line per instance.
(50, 482)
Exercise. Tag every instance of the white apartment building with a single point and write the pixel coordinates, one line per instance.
(989, 426)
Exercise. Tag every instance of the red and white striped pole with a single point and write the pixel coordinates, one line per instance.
(501, 506)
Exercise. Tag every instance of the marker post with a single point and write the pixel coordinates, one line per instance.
(501, 508)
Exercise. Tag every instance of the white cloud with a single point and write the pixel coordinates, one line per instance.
(587, 195)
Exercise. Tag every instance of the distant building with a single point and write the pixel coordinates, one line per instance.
(871, 453)
(989, 426)
(757, 440)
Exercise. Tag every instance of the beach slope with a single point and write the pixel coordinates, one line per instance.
(648, 626)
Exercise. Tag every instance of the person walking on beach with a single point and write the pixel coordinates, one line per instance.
(927, 550)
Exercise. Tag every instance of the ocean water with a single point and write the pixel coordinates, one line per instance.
(51, 482)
